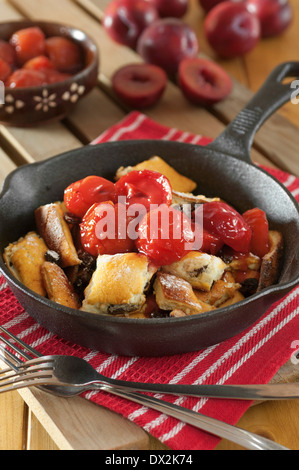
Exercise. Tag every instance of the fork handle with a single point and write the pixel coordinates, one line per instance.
(213, 426)
(239, 392)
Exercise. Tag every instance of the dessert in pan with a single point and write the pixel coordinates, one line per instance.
(91, 252)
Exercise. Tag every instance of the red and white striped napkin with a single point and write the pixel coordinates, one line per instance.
(253, 356)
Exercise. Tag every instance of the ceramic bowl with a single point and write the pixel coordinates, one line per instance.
(25, 107)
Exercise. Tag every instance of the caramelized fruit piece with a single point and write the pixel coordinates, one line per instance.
(65, 55)
(23, 78)
(5, 70)
(28, 43)
(7, 53)
(39, 63)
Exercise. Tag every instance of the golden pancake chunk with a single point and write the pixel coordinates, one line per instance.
(57, 285)
(271, 262)
(24, 259)
(201, 270)
(55, 231)
(118, 284)
(174, 293)
(220, 293)
(178, 182)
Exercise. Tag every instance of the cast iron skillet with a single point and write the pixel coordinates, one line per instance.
(224, 168)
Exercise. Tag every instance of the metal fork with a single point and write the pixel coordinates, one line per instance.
(70, 380)
(94, 380)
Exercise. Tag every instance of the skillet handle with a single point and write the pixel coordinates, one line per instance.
(237, 138)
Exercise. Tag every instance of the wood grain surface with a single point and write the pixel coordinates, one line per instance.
(31, 419)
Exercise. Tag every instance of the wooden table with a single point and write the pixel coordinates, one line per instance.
(31, 419)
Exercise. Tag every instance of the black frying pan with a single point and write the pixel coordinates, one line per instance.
(223, 168)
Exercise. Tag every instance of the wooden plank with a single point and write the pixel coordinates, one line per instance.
(38, 438)
(278, 421)
(13, 422)
(78, 424)
(6, 166)
(275, 51)
(39, 143)
(93, 115)
(95, 7)
(278, 139)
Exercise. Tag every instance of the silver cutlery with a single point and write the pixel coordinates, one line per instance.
(68, 376)
(94, 379)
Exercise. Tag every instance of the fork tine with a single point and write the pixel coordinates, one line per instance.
(5, 355)
(12, 356)
(7, 370)
(43, 360)
(27, 370)
(27, 374)
(34, 381)
(25, 346)
(17, 350)
(30, 383)
(7, 374)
